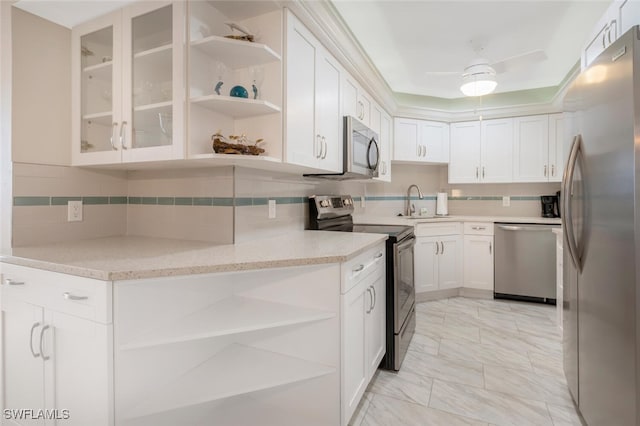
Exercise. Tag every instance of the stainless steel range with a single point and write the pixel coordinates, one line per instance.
(333, 213)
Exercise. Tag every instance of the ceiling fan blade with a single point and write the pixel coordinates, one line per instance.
(519, 61)
(443, 72)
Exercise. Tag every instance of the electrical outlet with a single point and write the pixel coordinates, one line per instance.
(74, 211)
(506, 201)
(272, 209)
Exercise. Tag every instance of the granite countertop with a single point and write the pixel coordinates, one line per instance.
(401, 220)
(126, 258)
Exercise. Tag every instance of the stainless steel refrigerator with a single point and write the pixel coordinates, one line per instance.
(601, 223)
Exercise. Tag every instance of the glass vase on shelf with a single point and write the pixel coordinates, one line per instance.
(257, 78)
(219, 68)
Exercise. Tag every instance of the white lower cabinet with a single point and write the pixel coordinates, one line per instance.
(438, 256)
(478, 255)
(363, 326)
(56, 337)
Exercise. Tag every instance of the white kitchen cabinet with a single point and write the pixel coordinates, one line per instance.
(355, 101)
(464, 157)
(531, 149)
(363, 325)
(537, 149)
(381, 124)
(128, 93)
(496, 150)
(616, 20)
(313, 123)
(478, 255)
(438, 257)
(57, 345)
(481, 152)
(556, 147)
(420, 141)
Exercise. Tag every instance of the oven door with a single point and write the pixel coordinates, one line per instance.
(404, 290)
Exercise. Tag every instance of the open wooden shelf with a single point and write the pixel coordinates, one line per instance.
(236, 53)
(235, 107)
(243, 313)
(236, 370)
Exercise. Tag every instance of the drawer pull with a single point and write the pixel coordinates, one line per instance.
(33, 328)
(379, 255)
(9, 281)
(44, 358)
(478, 228)
(359, 268)
(69, 296)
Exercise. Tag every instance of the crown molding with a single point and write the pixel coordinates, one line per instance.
(323, 20)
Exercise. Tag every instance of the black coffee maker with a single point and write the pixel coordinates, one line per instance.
(550, 205)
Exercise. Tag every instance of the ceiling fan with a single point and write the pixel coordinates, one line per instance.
(479, 76)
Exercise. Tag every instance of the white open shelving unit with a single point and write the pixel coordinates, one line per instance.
(236, 53)
(233, 315)
(235, 107)
(214, 380)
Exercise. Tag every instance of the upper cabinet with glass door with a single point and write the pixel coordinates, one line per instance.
(129, 99)
(235, 75)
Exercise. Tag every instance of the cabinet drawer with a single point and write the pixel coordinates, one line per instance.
(478, 228)
(81, 297)
(436, 229)
(370, 262)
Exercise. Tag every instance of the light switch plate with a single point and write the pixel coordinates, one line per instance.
(74, 211)
(272, 209)
(506, 201)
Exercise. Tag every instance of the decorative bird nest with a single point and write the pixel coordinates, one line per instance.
(241, 145)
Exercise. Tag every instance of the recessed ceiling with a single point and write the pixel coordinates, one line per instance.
(406, 40)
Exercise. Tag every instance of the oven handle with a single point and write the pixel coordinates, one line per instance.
(404, 244)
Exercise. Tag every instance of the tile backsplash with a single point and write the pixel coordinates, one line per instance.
(227, 204)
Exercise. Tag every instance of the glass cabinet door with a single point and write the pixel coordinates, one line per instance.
(151, 103)
(98, 125)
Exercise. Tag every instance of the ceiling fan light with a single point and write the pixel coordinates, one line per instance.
(478, 85)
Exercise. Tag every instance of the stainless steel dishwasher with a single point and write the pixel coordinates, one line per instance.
(525, 262)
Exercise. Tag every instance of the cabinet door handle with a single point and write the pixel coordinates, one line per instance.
(69, 296)
(437, 249)
(317, 147)
(113, 131)
(324, 145)
(9, 281)
(442, 247)
(45, 328)
(489, 247)
(370, 300)
(477, 171)
(375, 298)
(122, 135)
(609, 32)
(604, 36)
(33, 328)
(424, 150)
(545, 170)
(482, 172)
(553, 170)
(361, 113)
(418, 150)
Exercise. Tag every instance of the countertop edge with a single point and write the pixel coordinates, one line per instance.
(105, 275)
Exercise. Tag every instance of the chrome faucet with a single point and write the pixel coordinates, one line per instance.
(410, 208)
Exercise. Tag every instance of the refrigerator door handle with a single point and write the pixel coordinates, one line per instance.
(567, 219)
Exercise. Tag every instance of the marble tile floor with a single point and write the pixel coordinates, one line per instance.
(475, 362)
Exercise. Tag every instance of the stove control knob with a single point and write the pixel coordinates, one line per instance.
(347, 202)
(324, 203)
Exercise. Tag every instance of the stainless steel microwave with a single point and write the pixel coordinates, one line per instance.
(361, 152)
